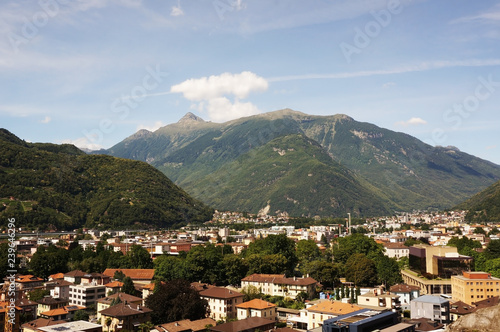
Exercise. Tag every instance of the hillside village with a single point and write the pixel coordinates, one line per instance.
(437, 284)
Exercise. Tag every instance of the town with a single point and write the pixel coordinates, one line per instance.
(415, 271)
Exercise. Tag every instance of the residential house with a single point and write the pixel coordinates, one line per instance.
(25, 283)
(250, 324)
(59, 288)
(406, 293)
(222, 302)
(138, 276)
(396, 250)
(65, 313)
(107, 301)
(378, 299)
(257, 308)
(95, 278)
(28, 307)
(86, 295)
(327, 309)
(187, 325)
(34, 325)
(278, 285)
(431, 307)
(113, 287)
(49, 303)
(74, 276)
(124, 316)
(79, 325)
(474, 286)
(459, 309)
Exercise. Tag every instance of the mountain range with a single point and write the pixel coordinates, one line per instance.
(49, 186)
(307, 165)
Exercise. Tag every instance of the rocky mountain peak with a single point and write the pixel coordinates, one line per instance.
(189, 117)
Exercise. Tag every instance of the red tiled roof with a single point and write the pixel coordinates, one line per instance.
(256, 304)
(403, 288)
(124, 297)
(187, 325)
(124, 310)
(114, 284)
(279, 279)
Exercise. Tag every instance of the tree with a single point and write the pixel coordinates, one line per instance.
(325, 272)
(493, 249)
(251, 292)
(81, 315)
(355, 244)
(479, 230)
(307, 251)
(361, 270)
(388, 271)
(493, 266)
(119, 275)
(233, 268)
(128, 286)
(38, 294)
(463, 244)
(175, 300)
(50, 260)
(268, 264)
(139, 258)
(146, 327)
(170, 268)
(275, 245)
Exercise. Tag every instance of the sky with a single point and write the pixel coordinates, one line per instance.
(93, 72)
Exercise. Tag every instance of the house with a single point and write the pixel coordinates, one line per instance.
(378, 299)
(107, 301)
(250, 324)
(34, 325)
(222, 302)
(459, 309)
(59, 288)
(396, 250)
(56, 276)
(113, 287)
(256, 308)
(86, 295)
(79, 325)
(25, 283)
(474, 286)
(95, 278)
(327, 309)
(138, 276)
(74, 276)
(124, 316)
(406, 293)
(48, 303)
(361, 320)
(187, 325)
(431, 307)
(65, 313)
(278, 285)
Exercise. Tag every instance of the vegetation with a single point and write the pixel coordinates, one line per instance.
(59, 187)
(484, 206)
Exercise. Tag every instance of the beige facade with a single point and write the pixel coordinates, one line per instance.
(222, 302)
(474, 286)
(257, 308)
(278, 285)
(427, 286)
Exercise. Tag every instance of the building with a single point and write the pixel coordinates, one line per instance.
(64, 313)
(138, 276)
(107, 301)
(427, 286)
(396, 250)
(34, 325)
(474, 286)
(74, 276)
(257, 308)
(113, 287)
(48, 303)
(222, 302)
(251, 324)
(278, 285)
(361, 320)
(438, 261)
(459, 309)
(124, 316)
(59, 288)
(406, 293)
(187, 325)
(86, 295)
(378, 299)
(326, 309)
(79, 325)
(431, 307)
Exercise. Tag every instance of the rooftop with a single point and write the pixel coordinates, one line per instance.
(134, 274)
(431, 299)
(256, 304)
(124, 309)
(79, 325)
(220, 293)
(334, 307)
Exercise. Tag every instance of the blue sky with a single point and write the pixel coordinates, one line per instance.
(94, 72)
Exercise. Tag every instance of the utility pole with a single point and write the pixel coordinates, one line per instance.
(349, 223)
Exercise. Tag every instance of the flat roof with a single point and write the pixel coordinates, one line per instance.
(78, 325)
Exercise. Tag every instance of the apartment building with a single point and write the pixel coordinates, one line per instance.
(86, 294)
(278, 285)
(222, 302)
(474, 286)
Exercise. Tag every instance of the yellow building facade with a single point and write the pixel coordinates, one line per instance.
(474, 286)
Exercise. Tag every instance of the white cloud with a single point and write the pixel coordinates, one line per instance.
(177, 10)
(154, 127)
(492, 15)
(212, 94)
(83, 143)
(388, 85)
(412, 122)
(46, 119)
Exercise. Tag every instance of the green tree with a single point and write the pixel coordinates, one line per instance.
(176, 300)
(128, 286)
(307, 251)
(347, 246)
(479, 230)
(47, 261)
(493, 249)
(81, 315)
(463, 244)
(119, 275)
(37, 294)
(251, 292)
(139, 258)
(493, 266)
(275, 245)
(361, 270)
(233, 268)
(170, 268)
(325, 272)
(268, 264)
(388, 271)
